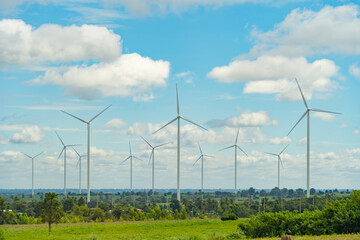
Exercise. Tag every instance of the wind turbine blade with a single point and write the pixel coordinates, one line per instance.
(61, 153)
(129, 148)
(73, 145)
(281, 162)
(283, 150)
(99, 113)
(60, 139)
(302, 95)
(271, 154)
(205, 155)
(177, 101)
(200, 149)
(152, 152)
(137, 158)
(76, 151)
(241, 150)
(237, 135)
(227, 148)
(125, 160)
(77, 165)
(161, 145)
(192, 122)
(74, 116)
(146, 142)
(166, 124)
(298, 122)
(27, 155)
(320, 110)
(38, 154)
(197, 160)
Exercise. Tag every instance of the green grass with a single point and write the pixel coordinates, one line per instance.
(128, 230)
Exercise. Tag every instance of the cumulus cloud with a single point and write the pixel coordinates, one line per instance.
(129, 75)
(278, 141)
(21, 43)
(115, 123)
(246, 119)
(30, 134)
(307, 32)
(356, 131)
(302, 142)
(354, 70)
(275, 75)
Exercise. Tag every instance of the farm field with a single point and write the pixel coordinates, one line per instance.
(123, 230)
(200, 229)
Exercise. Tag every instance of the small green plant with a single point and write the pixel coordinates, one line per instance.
(229, 216)
(93, 236)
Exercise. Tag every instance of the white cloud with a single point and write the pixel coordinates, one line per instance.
(129, 75)
(275, 75)
(21, 43)
(246, 119)
(278, 141)
(353, 151)
(30, 134)
(344, 125)
(302, 142)
(115, 123)
(356, 131)
(226, 97)
(323, 116)
(306, 32)
(354, 70)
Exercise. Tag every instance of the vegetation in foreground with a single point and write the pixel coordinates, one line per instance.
(338, 217)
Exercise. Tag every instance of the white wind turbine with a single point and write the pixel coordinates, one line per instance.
(202, 166)
(279, 161)
(64, 151)
(235, 146)
(307, 112)
(178, 139)
(152, 157)
(131, 158)
(88, 146)
(32, 171)
(79, 164)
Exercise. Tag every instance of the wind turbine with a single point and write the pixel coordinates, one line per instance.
(131, 158)
(178, 139)
(152, 157)
(202, 167)
(79, 163)
(235, 146)
(64, 151)
(32, 171)
(88, 146)
(307, 112)
(279, 161)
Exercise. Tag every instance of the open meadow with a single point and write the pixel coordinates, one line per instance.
(189, 229)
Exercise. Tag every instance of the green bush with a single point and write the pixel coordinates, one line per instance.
(338, 217)
(229, 216)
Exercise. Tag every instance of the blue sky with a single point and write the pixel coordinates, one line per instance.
(235, 64)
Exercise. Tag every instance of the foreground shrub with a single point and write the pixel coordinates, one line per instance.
(229, 216)
(337, 217)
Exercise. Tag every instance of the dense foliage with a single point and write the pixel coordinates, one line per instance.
(340, 216)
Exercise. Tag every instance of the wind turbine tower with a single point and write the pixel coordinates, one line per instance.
(178, 139)
(64, 151)
(235, 146)
(202, 167)
(131, 158)
(307, 112)
(79, 164)
(152, 157)
(88, 146)
(279, 161)
(32, 171)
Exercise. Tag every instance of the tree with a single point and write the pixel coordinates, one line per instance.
(68, 204)
(183, 214)
(81, 201)
(2, 211)
(175, 205)
(51, 209)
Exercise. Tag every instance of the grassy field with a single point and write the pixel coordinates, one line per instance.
(128, 230)
(185, 230)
